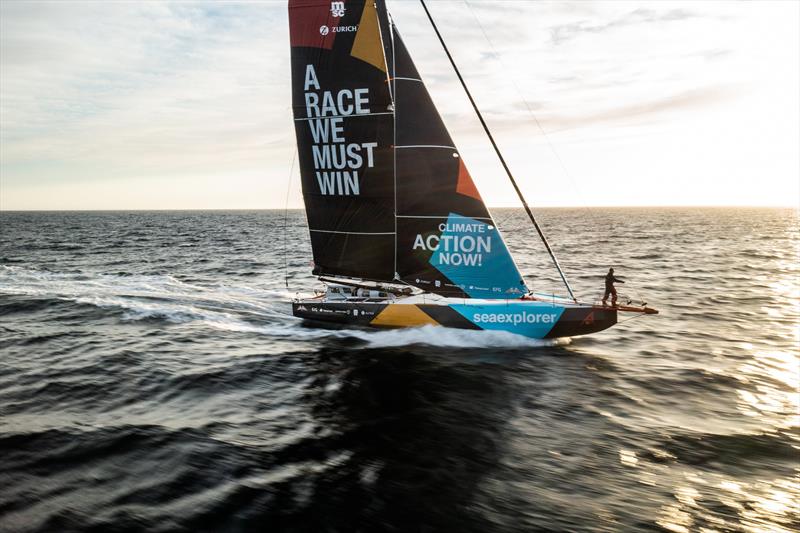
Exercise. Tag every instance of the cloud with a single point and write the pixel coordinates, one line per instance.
(644, 111)
(167, 96)
(138, 89)
(565, 32)
(531, 118)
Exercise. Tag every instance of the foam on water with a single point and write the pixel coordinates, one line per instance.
(454, 338)
(230, 308)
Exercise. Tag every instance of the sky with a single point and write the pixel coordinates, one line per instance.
(151, 105)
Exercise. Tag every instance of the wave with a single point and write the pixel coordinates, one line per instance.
(736, 449)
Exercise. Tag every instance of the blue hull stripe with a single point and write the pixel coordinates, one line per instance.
(523, 318)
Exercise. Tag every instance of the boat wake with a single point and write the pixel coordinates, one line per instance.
(227, 308)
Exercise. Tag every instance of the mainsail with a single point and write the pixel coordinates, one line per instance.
(387, 194)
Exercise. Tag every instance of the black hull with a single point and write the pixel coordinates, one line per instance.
(535, 320)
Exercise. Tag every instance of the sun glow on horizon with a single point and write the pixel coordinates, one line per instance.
(187, 105)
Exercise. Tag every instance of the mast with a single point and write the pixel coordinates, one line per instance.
(499, 154)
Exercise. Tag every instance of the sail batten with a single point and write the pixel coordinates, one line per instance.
(346, 116)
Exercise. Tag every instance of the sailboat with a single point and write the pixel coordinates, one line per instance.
(400, 234)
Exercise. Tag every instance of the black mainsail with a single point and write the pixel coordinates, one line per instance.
(387, 194)
(344, 124)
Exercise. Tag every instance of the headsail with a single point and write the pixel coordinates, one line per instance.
(387, 194)
(447, 241)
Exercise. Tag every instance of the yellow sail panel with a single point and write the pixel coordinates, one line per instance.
(402, 315)
(367, 44)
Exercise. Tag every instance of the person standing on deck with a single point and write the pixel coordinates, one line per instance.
(610, 280)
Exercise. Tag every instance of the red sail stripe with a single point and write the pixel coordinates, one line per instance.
(311, 24)
(465, 184)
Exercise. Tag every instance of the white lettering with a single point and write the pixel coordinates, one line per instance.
(338, 183)
(322, 158)
(326, 182)
(467, 243)
(337, 9)
(336, 156)
(351, 183)
(328, 105)
(354, 157)
(338, 159)
(515, 318)
(362, 100)
(458, 259)
(369, 147)
(344, 110)
(462, 227)
(446, 240)
(319, 130)
(336, 130)
(312, 102)
(311, 78)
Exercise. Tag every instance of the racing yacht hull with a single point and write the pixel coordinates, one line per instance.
(533, 319)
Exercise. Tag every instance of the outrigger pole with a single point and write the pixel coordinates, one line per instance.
(499, 155)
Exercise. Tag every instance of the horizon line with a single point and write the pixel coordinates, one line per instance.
(796, 207)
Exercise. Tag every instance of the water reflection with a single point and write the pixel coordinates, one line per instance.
(771, 380)
(421, 432)
(713, 503)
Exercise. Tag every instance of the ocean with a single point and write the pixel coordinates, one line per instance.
(152, 378)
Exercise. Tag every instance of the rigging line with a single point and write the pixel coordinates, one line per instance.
(285, 223)
(499, 154)
(525, 101)
(393, 85)
(533, 115)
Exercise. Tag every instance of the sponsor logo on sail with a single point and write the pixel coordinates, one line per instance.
(337, 9)
(325, 30)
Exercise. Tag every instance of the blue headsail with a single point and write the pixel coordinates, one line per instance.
(472, 254)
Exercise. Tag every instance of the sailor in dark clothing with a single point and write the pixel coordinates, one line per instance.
(610, 280)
